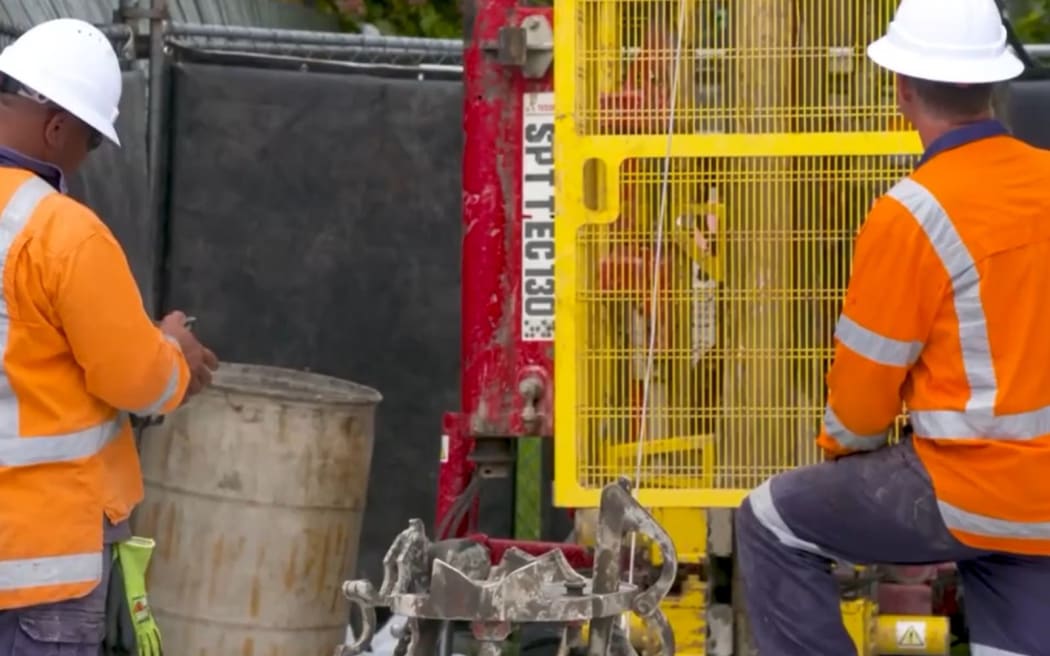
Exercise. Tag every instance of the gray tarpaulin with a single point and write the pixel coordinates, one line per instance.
(315, 223)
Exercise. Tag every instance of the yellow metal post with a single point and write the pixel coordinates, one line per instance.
(610, 27)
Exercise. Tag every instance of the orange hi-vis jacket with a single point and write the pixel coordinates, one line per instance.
(948, 310)
(79, 354)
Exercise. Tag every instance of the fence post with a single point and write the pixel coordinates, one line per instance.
(157, 143)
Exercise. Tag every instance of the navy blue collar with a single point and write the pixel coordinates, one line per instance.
(963, 135)
(49, 173)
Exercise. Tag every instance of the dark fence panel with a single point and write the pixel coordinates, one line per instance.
(114, 183)
(315, 224)
(1029, 102)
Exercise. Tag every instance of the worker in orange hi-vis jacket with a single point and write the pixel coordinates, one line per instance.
(79, 351)
(946, 314)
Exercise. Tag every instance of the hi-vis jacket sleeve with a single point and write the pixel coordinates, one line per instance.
(128, 362)
(894, 294)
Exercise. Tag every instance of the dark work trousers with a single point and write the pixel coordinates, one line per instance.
(75, 627)
(875, 507)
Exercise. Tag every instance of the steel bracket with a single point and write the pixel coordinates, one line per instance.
(493, 456)
(529, 46)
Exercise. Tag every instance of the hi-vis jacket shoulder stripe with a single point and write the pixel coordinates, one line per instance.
(966, 292)
(14, 450)
(979, 420)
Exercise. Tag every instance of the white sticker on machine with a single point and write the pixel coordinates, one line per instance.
(537, 218)
(443, 456)
(911, 634)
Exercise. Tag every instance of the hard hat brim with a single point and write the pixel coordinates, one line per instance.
(106, 130)
(892, 57)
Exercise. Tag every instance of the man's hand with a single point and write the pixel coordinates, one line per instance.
(202, 362)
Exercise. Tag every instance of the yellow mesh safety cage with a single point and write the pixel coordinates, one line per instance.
(757, 134)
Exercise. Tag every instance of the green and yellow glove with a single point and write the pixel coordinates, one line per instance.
(131, 629)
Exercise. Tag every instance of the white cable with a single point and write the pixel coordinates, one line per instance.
(655, 292)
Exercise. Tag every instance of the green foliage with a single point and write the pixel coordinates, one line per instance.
(429, 18)
(426, 18)
(1032, 22)
(444, 18)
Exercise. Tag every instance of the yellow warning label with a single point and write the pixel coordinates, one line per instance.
(911, 638)
(911, 634)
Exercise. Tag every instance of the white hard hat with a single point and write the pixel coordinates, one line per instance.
(956, 41)
(72, 64)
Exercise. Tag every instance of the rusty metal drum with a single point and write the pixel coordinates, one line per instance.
(255, 492)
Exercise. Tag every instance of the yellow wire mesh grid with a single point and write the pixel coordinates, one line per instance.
(759, 66)
(783, 136)
(755, 260)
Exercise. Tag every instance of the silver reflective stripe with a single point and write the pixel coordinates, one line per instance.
(956, 258)
(766, 513)
(962, 520)
(985, 650)
(54, 570)
(978, 421)
(847, 439)
(13, 219)
(16, 450)
(876, 347)
(953, 424)
(169, 391)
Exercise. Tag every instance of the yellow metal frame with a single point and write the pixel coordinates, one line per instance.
(587, 194)
(685, 613)
(859, 617)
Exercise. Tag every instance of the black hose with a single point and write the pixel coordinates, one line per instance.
(1033, 70)
(459, 508)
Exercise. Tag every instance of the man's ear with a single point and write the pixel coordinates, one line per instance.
(905, 90)
(57, 130)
